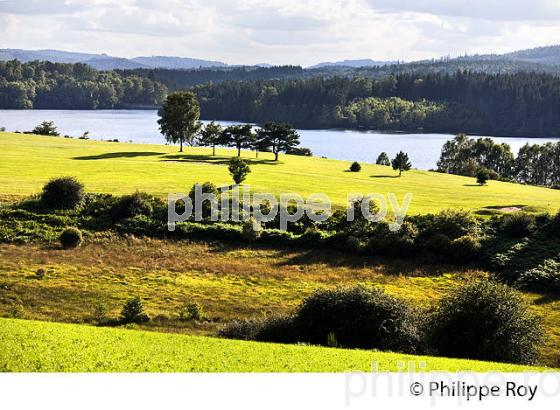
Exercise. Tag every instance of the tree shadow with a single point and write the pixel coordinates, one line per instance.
(384, 176)
(475, 185)
(546, 298)
(215, 160)
(110, 155)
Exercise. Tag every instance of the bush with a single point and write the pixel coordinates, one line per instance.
(482, 176)
(518, 224)
(485, 320)
(46, 128)
(545, 277)
(465, 249)
(192, 311)
(133, 312)
(62, 193)
(205, 188)
(239, 169)
(251, 229)
(355, 167)
(451, 223)
(359, 318)
(301, 151)
(71, 238)
(279, 329)
(129, 206)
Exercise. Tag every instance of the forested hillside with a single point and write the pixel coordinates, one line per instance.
(506, 104)
(73, 86)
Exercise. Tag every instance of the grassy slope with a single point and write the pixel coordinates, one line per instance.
(230, 281)
(46, 347)
(27, 162)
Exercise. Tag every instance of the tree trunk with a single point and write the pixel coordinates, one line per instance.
(238, 152)
(213, 150)
(400, 172)
(181, 145)
(256, 153)
(276, 156)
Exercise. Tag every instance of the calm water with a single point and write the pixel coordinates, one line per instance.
(140, 126)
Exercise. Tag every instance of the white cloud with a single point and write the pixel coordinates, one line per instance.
(280, 31)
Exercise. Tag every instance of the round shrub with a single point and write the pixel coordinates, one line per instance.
(518, 224)
(355, 167)
(71, 238)
(133, 311)
(279, 329)
(192, 311)
(464, 249)
(62, 193)
(129, 206)
(485, 320)
(359, 318)
(201, 189)
(451, 223)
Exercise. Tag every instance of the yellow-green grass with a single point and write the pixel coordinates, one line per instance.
(28, 161)
(31, 346)
(229, 281)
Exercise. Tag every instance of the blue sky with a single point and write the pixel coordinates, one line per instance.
(281, 31)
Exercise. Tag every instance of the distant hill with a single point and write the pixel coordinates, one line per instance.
(353, 63)
(106, 62)
(543, 55)
(176, 63)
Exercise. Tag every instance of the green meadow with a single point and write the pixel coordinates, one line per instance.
(49, 347)
(28, 161)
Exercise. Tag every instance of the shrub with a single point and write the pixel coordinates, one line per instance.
(71, 238)
(482, 176)
(518, 224)
(192, 311)
(355, 167)
(301, 151)
(129, 206)
(451, 223)
(100, 312)
(62, 193)
(251, 229)
(133, 312)
(545, 277)
(465, 249)
(485, 320)
(279, 329)
(205, 188)
(45, 128)
(239, 169)
(360, 318)
(17, 312)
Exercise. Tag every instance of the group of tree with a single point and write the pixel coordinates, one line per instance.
(399, 163)
(41, 84)
(482, 157)
(505, 104)
(179, 123)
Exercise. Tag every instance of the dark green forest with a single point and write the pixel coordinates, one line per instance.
(504, 104)
(73, 86)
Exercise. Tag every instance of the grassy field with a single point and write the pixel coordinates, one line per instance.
(47, 347)
(27, 162)
(229, 281)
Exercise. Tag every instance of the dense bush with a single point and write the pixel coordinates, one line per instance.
(192, 311)
(62, 193)
(518, 224)
(465, 249)
(251, 229)
(206, 208)
(355, 167)
(544, 277)
(451, 223)
(46, 128)
(279, 329)
(129, 206)
(71, 238)
(485, 320)
(359, 318)
(133, 311)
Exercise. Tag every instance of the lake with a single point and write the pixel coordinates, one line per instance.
(140, 126)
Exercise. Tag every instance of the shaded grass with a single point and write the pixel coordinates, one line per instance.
(29, 346)
(230, 281)
(28, 161)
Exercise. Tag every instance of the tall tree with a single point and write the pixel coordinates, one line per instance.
(179, 118)
(210, 136)
(238, 136)
(383, 159)
(278, 137)
(401, 162)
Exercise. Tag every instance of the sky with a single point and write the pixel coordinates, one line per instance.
(302, 32)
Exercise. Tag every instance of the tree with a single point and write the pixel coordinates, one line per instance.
(210, 136)
(238, 136)
(482, 176)
(401, 162)
(46, 128)
(279, 137)
(239, 169)
(179, 118)
(383, 159)
(355, 167)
